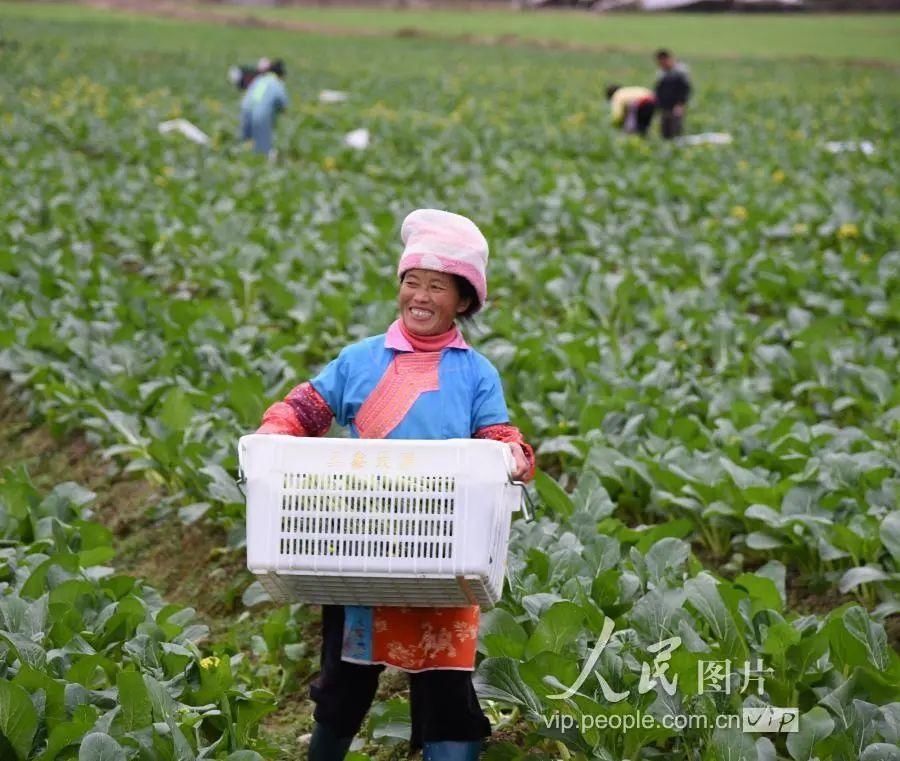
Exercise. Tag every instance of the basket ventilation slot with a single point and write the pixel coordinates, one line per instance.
(373, 516)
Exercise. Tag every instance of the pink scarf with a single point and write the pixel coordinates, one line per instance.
(429, 343)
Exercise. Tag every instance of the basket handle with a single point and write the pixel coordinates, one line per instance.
(529, 512)
(241, 476)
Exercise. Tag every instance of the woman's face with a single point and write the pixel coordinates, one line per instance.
(429, 302)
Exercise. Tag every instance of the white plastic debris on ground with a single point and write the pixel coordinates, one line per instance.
(358, 139)
(849, 146)
(184, 127)
(706, 138)
(332, 96)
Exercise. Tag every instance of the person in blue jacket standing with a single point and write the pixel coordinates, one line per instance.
(264, 100)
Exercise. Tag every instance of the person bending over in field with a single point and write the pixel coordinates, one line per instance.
(631, 108)
(264, 100)
(673, 88)
(419, 380)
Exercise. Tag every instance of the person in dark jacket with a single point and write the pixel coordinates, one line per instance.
(673, 88)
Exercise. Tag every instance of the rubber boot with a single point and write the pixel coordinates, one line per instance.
(451, 751)
(327, 746)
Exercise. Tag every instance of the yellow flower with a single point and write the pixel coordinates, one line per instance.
(681, 344)
(778, 176)
(848, 230)
(739, 212)
(800, 228)
(329, 164)
(212, 662)
(865, 258)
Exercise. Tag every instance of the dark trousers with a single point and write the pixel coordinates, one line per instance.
(644, 117)
(670, 125)
(443, 703)
(638, 118)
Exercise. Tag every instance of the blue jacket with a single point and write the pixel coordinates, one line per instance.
(470, 395)
(265, 97)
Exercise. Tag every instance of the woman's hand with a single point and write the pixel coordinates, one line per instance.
(521, 467)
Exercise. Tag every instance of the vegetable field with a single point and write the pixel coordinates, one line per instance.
(703, 344)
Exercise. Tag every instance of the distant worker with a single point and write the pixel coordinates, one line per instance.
(631, 108)
(673, 88)
(264, 100)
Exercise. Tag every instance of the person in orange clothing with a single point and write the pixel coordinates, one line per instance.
(418, 380)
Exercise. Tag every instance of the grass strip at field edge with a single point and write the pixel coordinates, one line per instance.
(278, 19)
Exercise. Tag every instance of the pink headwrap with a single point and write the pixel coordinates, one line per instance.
(445, 242)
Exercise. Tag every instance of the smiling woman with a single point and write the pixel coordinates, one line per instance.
(430, 301)
(419, 380)
(442, 271)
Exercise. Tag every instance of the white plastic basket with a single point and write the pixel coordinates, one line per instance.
(378, 522)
